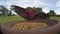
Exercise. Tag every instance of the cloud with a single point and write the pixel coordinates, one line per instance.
(57, 11)
(42, 3)
(46, 9)
(58, 3)
(31, 3)
(25, 3)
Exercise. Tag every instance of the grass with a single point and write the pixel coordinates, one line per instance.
(56, 18)
(17, 18)
(10, 18)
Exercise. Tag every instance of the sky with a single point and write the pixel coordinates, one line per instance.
(46, 5)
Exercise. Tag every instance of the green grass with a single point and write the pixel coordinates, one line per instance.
(17, 18)
(56, 18)
(10, 18)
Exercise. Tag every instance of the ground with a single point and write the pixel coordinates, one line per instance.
(17, 18)
(56, 18)
(10, 18)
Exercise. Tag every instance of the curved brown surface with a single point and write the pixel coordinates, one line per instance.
(53, 29)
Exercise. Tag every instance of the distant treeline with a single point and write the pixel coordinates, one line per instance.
(6, 12)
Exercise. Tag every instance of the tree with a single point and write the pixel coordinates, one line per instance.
(28, 8)
(13, 14)
(10, 13)
(0, 13)
(4, 10)
(37, 10)
(52, 13)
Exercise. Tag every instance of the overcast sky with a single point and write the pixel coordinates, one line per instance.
(46, 5)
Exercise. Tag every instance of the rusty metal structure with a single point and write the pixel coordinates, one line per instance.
(29, 15)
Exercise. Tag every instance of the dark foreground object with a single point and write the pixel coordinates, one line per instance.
(1, 32)
(53, 29)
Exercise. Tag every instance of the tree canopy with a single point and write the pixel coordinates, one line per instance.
(4, 10)
(52, 12)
